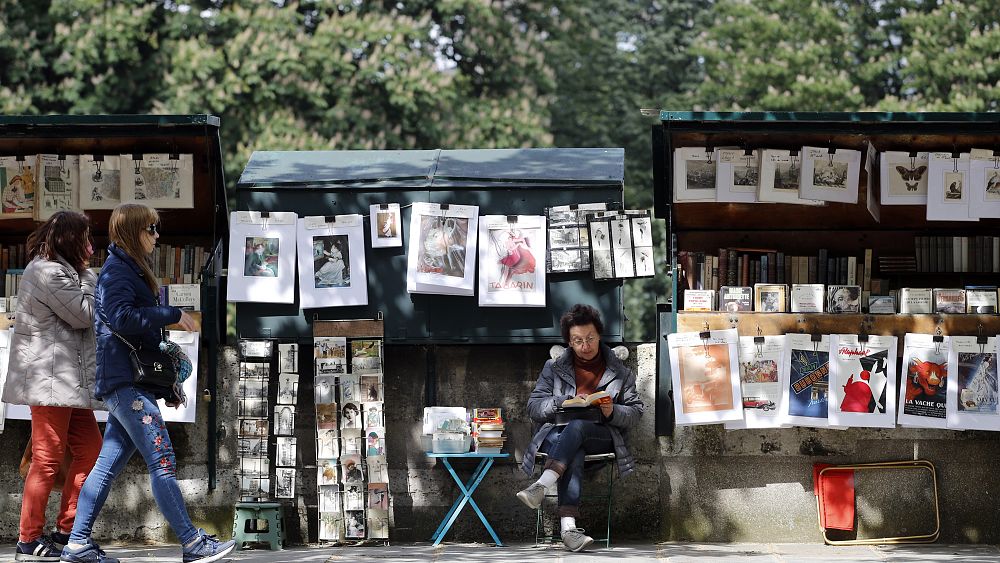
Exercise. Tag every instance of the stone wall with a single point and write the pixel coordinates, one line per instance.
(705, 483)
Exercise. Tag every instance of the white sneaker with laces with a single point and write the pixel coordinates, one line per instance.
(533, 496)
(575, 540)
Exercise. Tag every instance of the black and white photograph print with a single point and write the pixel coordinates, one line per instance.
(993, 184)
(568, 237)
(600, 235)
(325, 389)
(326, 416)
(642, 231)
(331, 261)
(331, 366)
(251, 447)
(327, 444)
(378, 524)
(355, 521)
(387, 224)
(288, 358)
(562, 217)
(256, 349)
(844, 299)
(953, 186)
(260, 257)
(251, 388)
(329, 498)
(644, 262)
(284, 483)
(253, 427)
(829, 173)
(366, 356)
(254, 487)
(353, 440)
(787, 175)
(371, 388)
(566, 260)
(284, 420)
(255, 370)
(602, 264)
(288, 389)
(700, 175)
(622, 232)
(285, 452)
(252, 408)
(378, 471)
(624, 265)
(255, 466)
(769, 301)
(373, 414)
(350, 416)
(331, 526)
(354, 496)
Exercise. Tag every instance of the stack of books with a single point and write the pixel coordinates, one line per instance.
(487, 430)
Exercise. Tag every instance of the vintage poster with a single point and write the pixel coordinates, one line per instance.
(947, 187)
(332, 268)
(923, 377)
(737, 175)
(903, 178)
(760, 381)
(17, 184)
(442, 250)
(511, 250)
(705, 374)
(386, 225)
(805, 395)
(973, 386)
(568, 237)
(694, 174)
(100, 181)
(163, 181)
(830, 174)
(862, 381)
(58, 183)
(261, 257)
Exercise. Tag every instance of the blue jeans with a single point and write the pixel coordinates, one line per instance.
(566, 447)
(135, 424)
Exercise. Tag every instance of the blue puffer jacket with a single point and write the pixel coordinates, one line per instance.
(128, 306)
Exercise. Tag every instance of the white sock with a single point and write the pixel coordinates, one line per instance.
(567, 523)
(548, 478)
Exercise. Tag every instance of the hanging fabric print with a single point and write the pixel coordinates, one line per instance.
(163, 181)
(923, 399)
(760, 381)
(58, 182)
(386, 225)
(862, 381)
(100, 181)
(261, 257)
(510, 252)
(972, 383)
(705, 374)
(17, 183)
(442, 249)
(332, 269)
(805, 394)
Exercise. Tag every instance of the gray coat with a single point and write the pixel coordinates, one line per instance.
(557, 382)
(52, 350)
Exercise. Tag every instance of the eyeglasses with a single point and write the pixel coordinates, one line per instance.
(153, 229)
(577, 342)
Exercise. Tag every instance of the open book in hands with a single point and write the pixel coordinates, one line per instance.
(598, 398)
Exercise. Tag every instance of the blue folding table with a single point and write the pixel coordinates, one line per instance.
(467, 488)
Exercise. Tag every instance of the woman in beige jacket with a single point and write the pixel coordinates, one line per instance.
(52, 356)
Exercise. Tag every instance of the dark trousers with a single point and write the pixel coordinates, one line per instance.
(566, 447)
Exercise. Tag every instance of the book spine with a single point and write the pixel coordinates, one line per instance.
(866, 279)
(956, 251)
(715, 273)
(745, 276)
(852, 270)
(780, 267)
(755, 271)
(821, 274)
(723, 266)
(965, 254)
(812, 269)
(949, 257)
(733, 278)
(763, 268)
(996, 254)
(772, 267)
(941, 256)
(789, 260)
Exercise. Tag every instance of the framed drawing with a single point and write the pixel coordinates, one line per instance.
(694, 174)
(780, 174)
(737, 176)
(58, 183)
(332, 269)
(442, 249)
(705, 374)
(100, 181)
(805, 395)
(760, 381)
(903, 177)
(386, 225)
(17, 184)
(163, 181)
(862, 381)
(947, 187)
(261, 257)
(923, 399)
(830, 174)
(510, 250)
(973, 387)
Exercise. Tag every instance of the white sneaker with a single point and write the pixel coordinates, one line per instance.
(575, 540)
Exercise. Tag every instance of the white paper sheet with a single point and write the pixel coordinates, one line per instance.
(973, 387)
(386, 225)
(830, 176)
(694, 174)
(511, 261)
(442, 249)
(158, 180)
(923, 397)
(332, 268)
(270, 276)
(737, 176)
(984, 185)
(780, 174)
(706, 377)
(760, 381)
(100, 181)
(947, 188)
(862, 381)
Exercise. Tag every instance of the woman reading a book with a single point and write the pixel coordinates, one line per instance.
(588, 374)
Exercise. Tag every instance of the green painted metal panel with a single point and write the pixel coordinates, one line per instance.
(831, 117)
(109, 120)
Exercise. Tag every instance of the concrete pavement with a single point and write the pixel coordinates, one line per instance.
(666, 552)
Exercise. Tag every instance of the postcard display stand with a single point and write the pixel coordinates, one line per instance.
(253, 435)
(352, 475)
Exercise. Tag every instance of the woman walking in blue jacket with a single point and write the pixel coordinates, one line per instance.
(127, 304)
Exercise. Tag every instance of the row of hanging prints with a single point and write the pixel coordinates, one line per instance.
(515, 252)
(835, 380)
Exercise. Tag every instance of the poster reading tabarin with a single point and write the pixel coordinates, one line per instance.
(512, 261)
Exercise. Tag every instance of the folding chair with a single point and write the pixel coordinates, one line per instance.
(607, 460)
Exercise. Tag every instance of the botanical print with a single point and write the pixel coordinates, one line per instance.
(442, 245)
(261, 257)
(100, 181)
(331, 261)
(705, 378)
(17, 186)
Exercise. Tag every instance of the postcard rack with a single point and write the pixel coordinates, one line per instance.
(253, 415)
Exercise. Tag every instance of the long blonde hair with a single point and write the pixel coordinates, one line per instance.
(125, 228)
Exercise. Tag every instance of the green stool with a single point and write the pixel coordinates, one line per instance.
(249, 516)
(608, 460)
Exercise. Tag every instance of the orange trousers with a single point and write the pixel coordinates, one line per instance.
(53, 429)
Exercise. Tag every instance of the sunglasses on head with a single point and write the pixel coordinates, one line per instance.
(153, 229)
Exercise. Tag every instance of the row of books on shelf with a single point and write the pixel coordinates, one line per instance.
(957, 254)
(819, 298)
(747, 267)
(187, 296)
